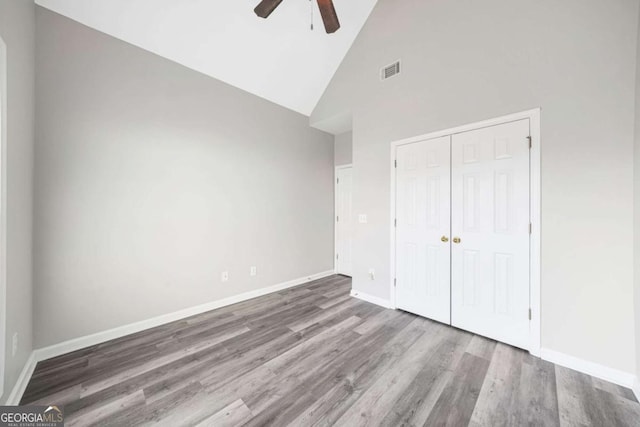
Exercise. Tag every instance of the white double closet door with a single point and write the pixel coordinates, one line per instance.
(463, 228)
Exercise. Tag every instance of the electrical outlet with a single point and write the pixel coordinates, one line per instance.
(253, 271)
(362, 218)
(224, 276)
(372, 274)
(14, 350)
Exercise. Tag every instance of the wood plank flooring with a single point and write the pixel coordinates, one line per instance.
(312, 355)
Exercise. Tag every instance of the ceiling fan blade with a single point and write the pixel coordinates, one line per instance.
(264, 9)
(329, 16)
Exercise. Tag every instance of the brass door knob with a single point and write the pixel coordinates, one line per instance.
(456, 240)
(445, 239)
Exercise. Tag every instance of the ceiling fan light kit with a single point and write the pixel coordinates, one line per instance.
(327, 10)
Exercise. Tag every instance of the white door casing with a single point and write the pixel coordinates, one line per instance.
(490, 217)
(3, 210)
(344, 220)
(423, 228)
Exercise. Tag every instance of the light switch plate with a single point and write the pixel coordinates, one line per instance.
(362, 218)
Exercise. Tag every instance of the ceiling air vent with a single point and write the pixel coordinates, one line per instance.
(390, 71)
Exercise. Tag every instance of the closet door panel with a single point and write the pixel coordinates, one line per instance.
(423, 189)
(490, 217)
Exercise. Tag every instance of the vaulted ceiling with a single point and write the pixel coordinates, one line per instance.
(279, 58)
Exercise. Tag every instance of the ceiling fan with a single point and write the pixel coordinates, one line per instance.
(327, 10)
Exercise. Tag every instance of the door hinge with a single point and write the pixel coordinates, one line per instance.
(337, 256)
(530, 142)
(529, 314)
(395, 222)
(337, 219)
(530, 228)
(338, 181)
(394, 282)
(395, 163)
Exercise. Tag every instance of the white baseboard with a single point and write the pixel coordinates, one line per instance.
(602, 372)
(636, 387)
(121, 331)
(23, 380)
(370, 298)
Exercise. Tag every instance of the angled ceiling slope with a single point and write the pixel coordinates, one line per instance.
(278, 59)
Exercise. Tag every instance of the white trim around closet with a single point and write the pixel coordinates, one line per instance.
(3, 214)
(534, 271)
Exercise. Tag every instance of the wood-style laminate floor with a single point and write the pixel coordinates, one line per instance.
(312, 355)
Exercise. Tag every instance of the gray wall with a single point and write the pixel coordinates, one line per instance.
(17, 30)
(152, 179)
(465, 61)
(343, 148)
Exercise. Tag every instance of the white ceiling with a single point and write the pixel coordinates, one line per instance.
(278, 59)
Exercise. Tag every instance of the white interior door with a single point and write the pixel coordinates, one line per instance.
(422, 231)
(3, 208)
(490, 217)
(344, 221)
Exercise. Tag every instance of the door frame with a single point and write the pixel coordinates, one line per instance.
(335, 213)
(3, 212)
(534, 206)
